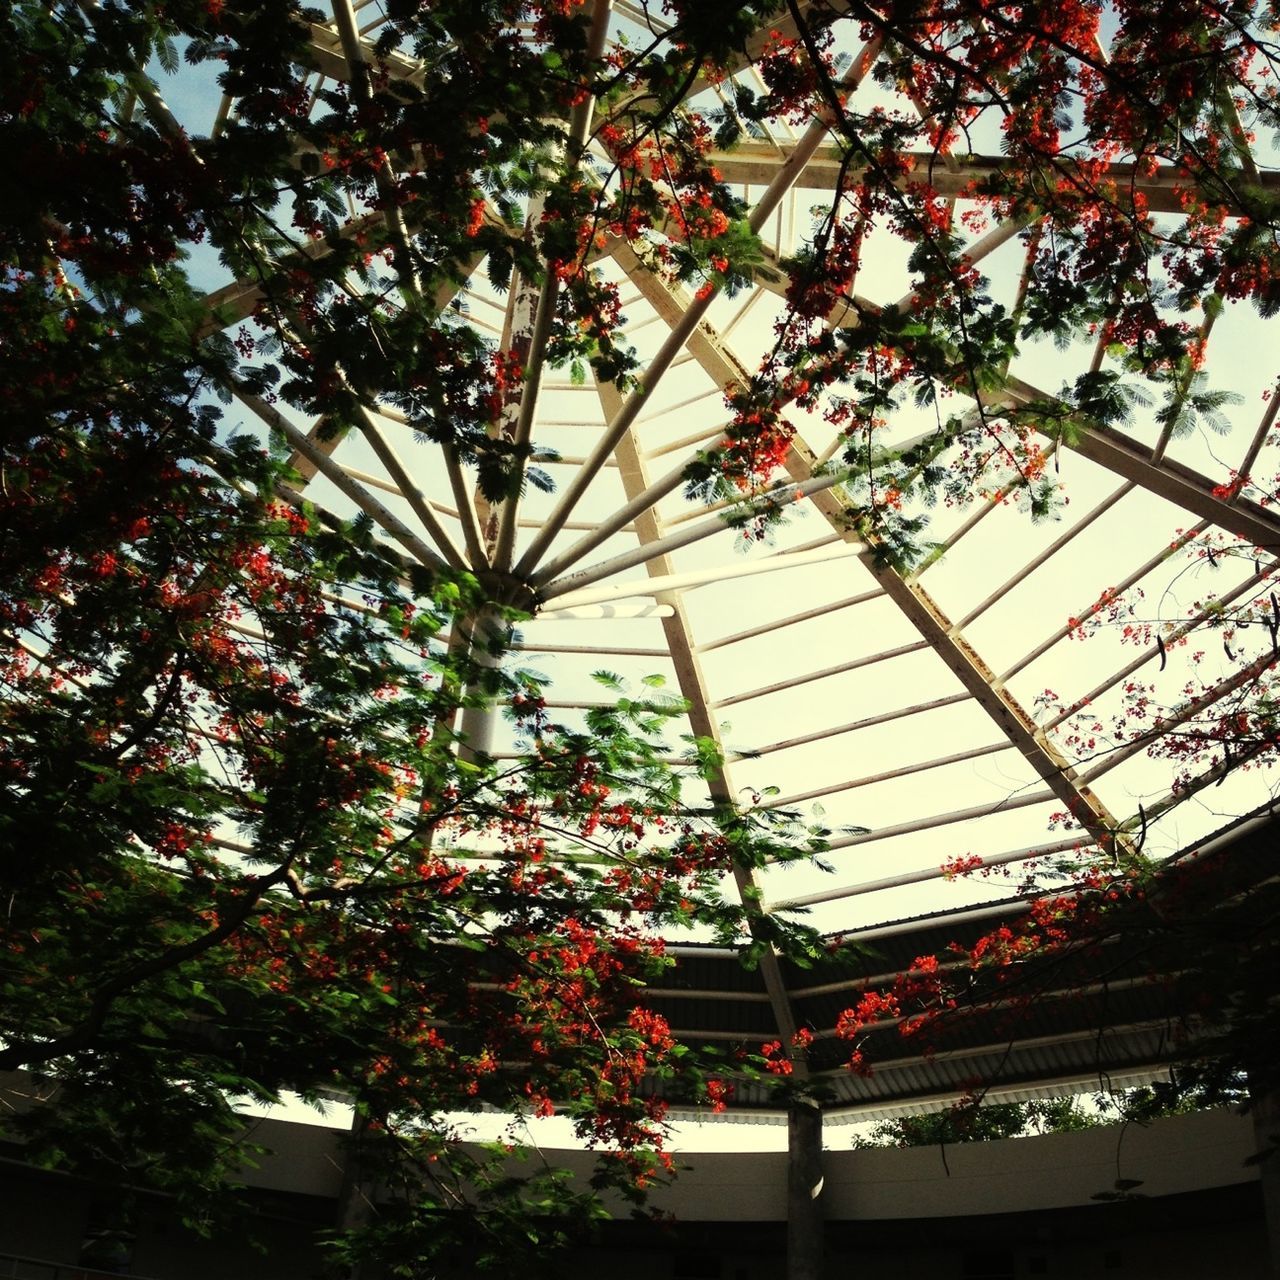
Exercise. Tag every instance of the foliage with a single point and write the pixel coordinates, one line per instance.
(973, 1119)
(242, 852)
(442, 150)
(985, 1122)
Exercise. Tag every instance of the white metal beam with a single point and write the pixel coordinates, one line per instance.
(657, 584)
(755, 162)
(922, 876)
(376, 510)
(629, 409)
(693, 687)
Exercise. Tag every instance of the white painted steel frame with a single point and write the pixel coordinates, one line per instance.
(342, 51)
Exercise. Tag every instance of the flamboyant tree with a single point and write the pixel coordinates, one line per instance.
(242, 850)
(243, 855)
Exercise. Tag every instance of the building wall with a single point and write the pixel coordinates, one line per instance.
(981, 1211)
(1208, 1235)
(44, 1219)
(1169, 1157)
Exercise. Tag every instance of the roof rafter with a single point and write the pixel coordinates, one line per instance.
(978, 680)
(693, 686)
(921, 876)
(683, 325)
(1148, 468)
(1164, 477)
(753, 162)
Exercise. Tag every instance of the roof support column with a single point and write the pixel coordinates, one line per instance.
(805, 1243)
(1266, 1128)
(354, 1209)
(489, 635)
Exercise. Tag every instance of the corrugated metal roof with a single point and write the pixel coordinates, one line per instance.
(1095, 1017)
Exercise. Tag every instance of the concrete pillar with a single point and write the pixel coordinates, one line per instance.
(804, 1191)
(489, 634)
(355, 1205)
(1266, 1127)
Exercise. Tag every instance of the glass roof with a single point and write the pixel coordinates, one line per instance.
(953, 724)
